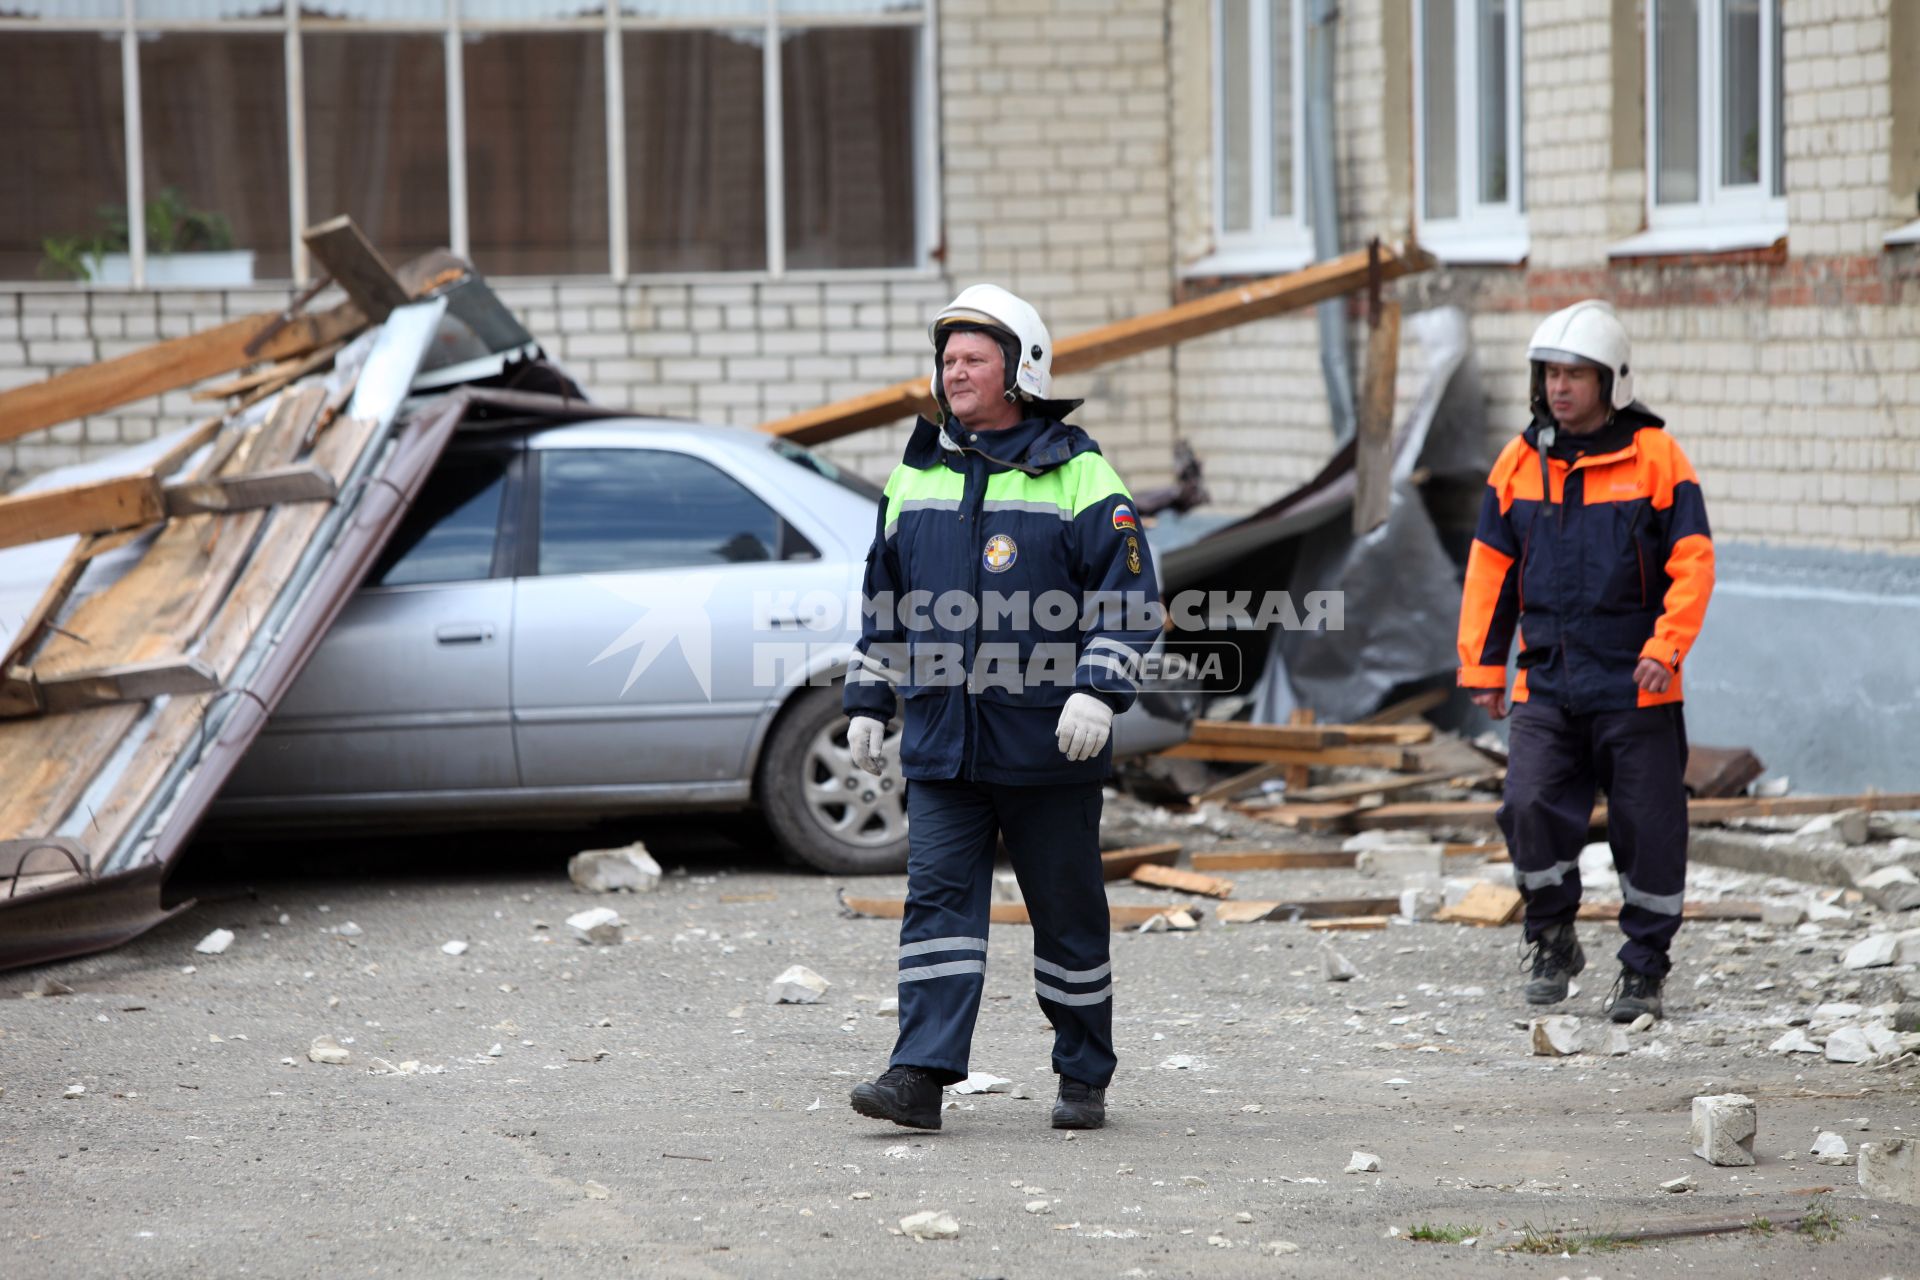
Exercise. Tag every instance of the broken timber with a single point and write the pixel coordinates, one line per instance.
(1188, 320)
(1122, 915)
(22, 693)
(1158, 877)
(1118, 864)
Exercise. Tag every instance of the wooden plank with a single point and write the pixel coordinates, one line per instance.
(1243, 912)
(1299, 776)
(1184, 322)
(1346, 791)
(1397, 759)
(1121, 915)
(1238, 784)
(1306, 735)
(129, 682)
(120, 503)
(1485, 904)
(166, 366)
(1118, 864)
(1348, 924)
(1373, 431)
(1468, 813)
(1727, 910)
(270, 486)
(1272, 860)
(1159, 877)
(1304, 817)
(290, 372)
(1407, 708)
(356, 266)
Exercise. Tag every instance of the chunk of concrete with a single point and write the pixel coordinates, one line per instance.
(1782, 915)
(327, 1050)
(1848, 1044)
(930, 1224)
(1335, 966)
(1890, 1170)
(1723, 1129)
(797, 984)
(888, 1008)
(1363, 1162)
(1555, 1037)
(1876, 951)
(1617, 1043)
(1830, 1148)
(1420, 902)
(1794, 1041)
(1402, 861)
(1680, 1185)
(982, 1082)
(630, 869)
(1182, 921)
(214, 943)
(598, 926)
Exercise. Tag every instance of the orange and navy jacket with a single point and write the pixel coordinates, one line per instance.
(1616, 568)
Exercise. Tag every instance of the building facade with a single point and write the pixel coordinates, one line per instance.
(733, 209)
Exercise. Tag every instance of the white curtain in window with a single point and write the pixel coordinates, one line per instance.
(1677, 101)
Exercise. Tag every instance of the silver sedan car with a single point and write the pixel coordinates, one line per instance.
(600, 620)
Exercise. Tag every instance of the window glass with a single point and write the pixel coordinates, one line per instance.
(1280, 84)
(625, 510)
(62, 153)
(448, 533)
(1493, 101)
(847, 113)
(1740, 94)
(1677, 101)
(214, 123)
(377, 137)
(1439, 87)
(696, 160)
(1236, 118)
(537, 153)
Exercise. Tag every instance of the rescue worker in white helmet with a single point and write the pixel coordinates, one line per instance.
(998, 505)
(1593, 560)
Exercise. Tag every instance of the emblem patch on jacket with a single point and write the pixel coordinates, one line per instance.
(1000, 553)
(1123, 517)
(1133, 553)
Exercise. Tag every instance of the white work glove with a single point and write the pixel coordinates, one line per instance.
(1084, 724)
(864, 736)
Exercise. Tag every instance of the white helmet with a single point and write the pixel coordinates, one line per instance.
(1027, 345)
(1585, 333)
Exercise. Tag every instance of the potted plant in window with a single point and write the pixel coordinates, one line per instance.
(185, 246)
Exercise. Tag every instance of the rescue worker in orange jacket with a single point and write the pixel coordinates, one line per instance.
(1593, 559)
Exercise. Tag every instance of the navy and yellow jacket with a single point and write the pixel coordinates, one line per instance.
(1002, 517)
(1616, 568)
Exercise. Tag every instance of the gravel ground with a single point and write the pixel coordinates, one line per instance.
(647, 1112)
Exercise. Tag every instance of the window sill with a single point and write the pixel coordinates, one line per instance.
(1909, 234)
(1709, 238)
(1266, 260)
(1502, 249)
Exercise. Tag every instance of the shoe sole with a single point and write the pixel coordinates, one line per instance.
(878, 1111)
(1058, 1123)
(1633, 1015)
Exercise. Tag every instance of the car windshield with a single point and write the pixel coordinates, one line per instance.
(821, 467)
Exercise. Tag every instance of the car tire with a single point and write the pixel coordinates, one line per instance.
(825, 811)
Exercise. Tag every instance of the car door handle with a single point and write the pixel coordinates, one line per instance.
(463, 633)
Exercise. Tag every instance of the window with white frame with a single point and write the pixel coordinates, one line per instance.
(1467, 91)
(1260, 169)
(1713, 154)
(539, 137)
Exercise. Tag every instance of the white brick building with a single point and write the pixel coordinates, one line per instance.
(1739, 176)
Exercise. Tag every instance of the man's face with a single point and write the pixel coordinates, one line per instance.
(1573, 394)
(973, 370)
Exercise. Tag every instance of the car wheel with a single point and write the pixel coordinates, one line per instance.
(825, 810)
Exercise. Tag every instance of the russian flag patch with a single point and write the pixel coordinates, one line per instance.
(1123, 517)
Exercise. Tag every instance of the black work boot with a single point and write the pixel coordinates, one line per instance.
(1079, 1106)
(905, 1095)
(1555, 956)
(1633, 994)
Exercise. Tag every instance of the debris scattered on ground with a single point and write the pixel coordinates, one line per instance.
(1039, 1206)
(1642, 1023)
(214, 943)
(327, 1050)
(981, 1082)
(1555, 1037)
(1723, 1129)
(597, 926)
(454, 948)
(1279, 1248)
(1484, 904)
(629, 869)
(1680, 1185)
(888, 1008)
(1794, 1041)
(595, 1191)
(1830, 1148)
(1178, 1062)
(930, 1224)
(1618, 1045)
(797, 984)
(1890, 1170)
(1363, 1162)
(1161, 877)
(75, 1091)
(1335, 966)
(1875, 951)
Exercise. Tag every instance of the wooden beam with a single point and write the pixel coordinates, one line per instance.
(1485, 904)
(1238, 784)
(1395, 758)
(23, 693)
(1333, 816)
(1273, 860)
(1121, 915)
(1118, 864)
(1348, 924)
(300, 482)
(1158, 877)
(1373, 433)
(1307, 735)
(120, 503)
(167, 366)
(1384, 786)
(1182, 323)
(356, 266)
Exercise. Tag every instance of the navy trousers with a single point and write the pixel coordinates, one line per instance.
(1053, 834)
(1639, 758)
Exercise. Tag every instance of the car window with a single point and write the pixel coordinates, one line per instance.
(621, 510)
(448, 533)
(826, 470)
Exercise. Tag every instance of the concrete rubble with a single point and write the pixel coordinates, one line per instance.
(797, 984)
(1890, 1170)
(1335, 966)
(1723, 1129)
(328, 1051)
(598, 926)
(214, 943)
(1555, 1037)
(1830, 1148)
(1363, 1162)
(930, 1224)
(630, 869)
